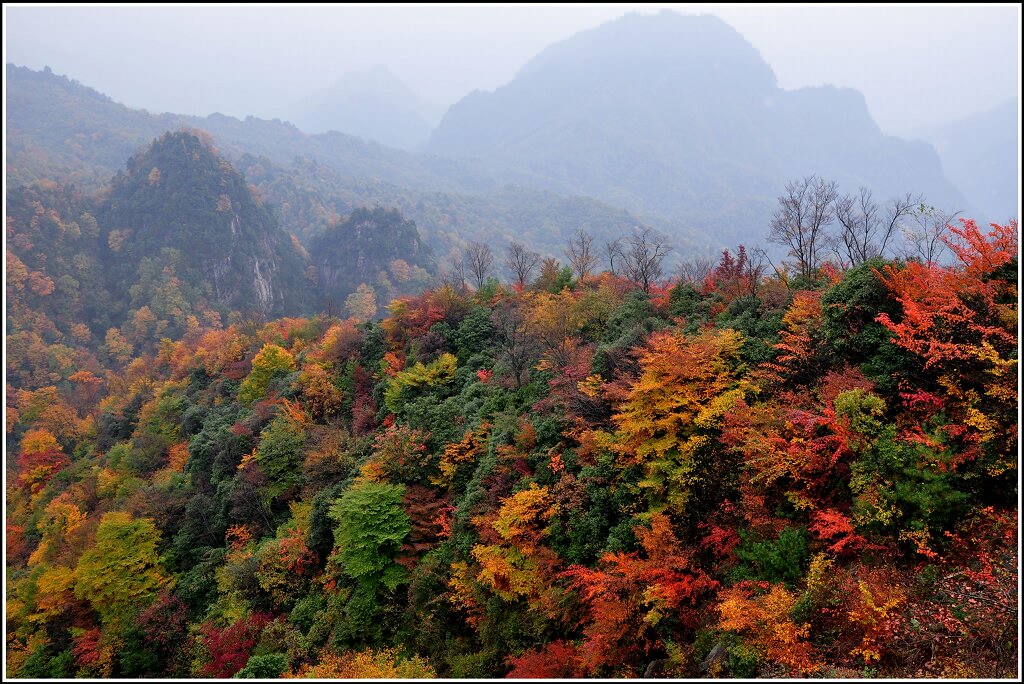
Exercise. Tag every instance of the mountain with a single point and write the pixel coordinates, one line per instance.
(375, 105)
(679, 116)
(376, 247)
(180, 202)
(61, 129)
(176, 241)
(980, 153)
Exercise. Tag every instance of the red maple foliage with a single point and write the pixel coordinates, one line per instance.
(231, 647)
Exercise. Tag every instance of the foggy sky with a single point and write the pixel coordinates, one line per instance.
(917, 66)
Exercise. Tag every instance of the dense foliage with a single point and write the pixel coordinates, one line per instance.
(732, 477)
(178, 242)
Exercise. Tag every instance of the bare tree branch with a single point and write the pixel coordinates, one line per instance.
(580, 254)
(922, 236)
(614, 252)
(696, 269)
(865, 228)
(454, 273)
(479, 259)
(643, 260)
(754, 269)
(804, 211)
(521, 261)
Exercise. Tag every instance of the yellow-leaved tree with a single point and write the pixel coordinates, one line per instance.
(671, 415)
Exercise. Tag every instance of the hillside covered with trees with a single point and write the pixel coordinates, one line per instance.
(636, 362)
(740, 472)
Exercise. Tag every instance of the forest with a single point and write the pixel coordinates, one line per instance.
(591, 468)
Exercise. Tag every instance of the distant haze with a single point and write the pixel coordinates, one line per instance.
(917, 67)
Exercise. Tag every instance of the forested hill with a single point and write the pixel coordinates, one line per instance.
(289, 405)
(736, 475)
(370, 242)
(178, 241)
(179, 204)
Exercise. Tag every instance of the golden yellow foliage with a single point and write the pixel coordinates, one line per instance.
(523, 515)
(472, 444)
(765, 621)
(368, 664)
(38, 441)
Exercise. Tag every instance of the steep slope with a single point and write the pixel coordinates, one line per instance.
(678, 115)
(375, 105)
(179, 203)
(980, 154)
(376, 247)
(59, 128)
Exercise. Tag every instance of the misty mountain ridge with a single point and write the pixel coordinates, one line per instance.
(62, 129)
(58, 127)
(980, 155)
(675, 119)
(679, 116)
(375, 105)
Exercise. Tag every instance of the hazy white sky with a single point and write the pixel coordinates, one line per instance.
(917, 66)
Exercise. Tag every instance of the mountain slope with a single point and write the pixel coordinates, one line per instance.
(377, 247)
(678, 115)
(374, 105)
(980, 154)
(180, 202)
(60, 129)
(177, 241)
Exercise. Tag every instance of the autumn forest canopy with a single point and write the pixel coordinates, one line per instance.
(282, 406)
(594, 468)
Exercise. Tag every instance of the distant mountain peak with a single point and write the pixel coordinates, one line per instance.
(678, 116)
(664, 40)
(374, 104)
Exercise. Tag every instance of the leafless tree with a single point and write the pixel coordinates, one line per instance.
(922, 235)
(521, 261)
(865, 229)
(479, 259)
(754, 268)
(643, 259)
(454, 273)
(805, 210)
(330, 306)
(696, 269)
(614, 251)
(580, 253)
(517, 343)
